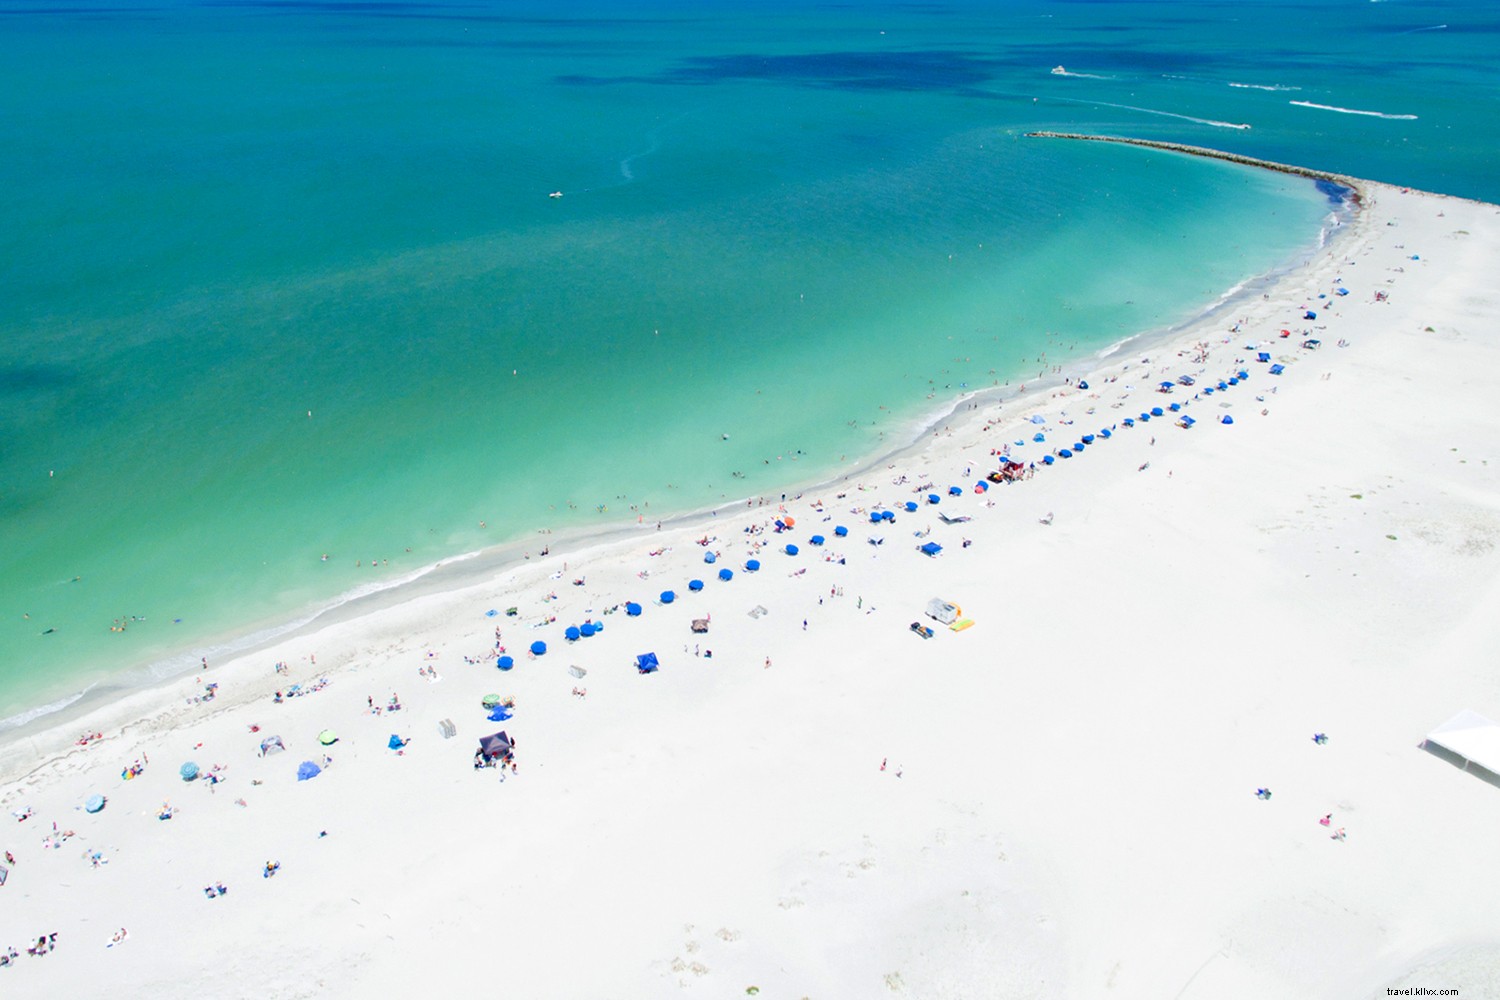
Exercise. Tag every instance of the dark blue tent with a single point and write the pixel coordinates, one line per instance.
(1082, 384)
(632, 609)
(791, 549)
(538, 648)
(816, 540)
(668, 596)
(588, 628)
(751, 565)
(307, 769)
(1277, 369)
(1208, 390)
(646, 663)
(504, 662)
(911, 505)
(1168, 386)
(710, 558)
(1263, 356)
(841, 531)
(933, 498)
(1038, 438)
(395, 742)
(931, 549)
(1187, 421)
(955, 491)
(571, 633)
(1227, 419)
(695, 585)
(726, 574)
(1341, 291)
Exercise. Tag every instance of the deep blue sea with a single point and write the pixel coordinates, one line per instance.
(281, 279)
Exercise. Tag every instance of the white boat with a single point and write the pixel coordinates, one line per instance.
(1059, 71)
(555, 194)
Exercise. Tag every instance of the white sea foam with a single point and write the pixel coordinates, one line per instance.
(1059, 71)
(1351, 111)
(1431, 27)
(1262, 86)
(32, 714)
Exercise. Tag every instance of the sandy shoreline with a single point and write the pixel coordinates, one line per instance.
(1058, 801)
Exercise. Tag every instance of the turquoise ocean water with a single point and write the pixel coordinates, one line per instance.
(803, 227)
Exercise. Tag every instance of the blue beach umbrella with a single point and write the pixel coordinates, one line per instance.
(1047, 460)
(791, 549)
(632, 609)
(1038, 437)
(815, 540)
(571, 633)
(307, 769)
(911, 506)
(1242, 375)
(955, 491)
(874, 517)
(188, 771)
(887, 515)
(668, 596)
(587, 629)
(1089, 438)
(1077, 447)
(695, 585)
(538, 648)
(726, 575)
(1234, 380)
(751, 565)
(504, 662)
(1175, 407)
(841, 531)
(1156, 411)
(1064, 453)
(1105, 432)
(933, 498)
(1128, 421)
(94, 803)
(710, 558)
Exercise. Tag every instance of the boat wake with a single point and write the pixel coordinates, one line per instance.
(1060, 71)
(1352, 111)
(1262, 86)
(1170, 114)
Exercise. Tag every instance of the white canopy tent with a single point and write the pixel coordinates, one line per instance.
(1470, 737)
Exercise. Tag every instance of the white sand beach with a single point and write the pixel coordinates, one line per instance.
(1058, 801)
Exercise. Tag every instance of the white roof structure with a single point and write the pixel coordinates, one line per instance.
(1472, 737)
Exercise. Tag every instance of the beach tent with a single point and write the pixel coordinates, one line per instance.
(911, 506)
(505, 662)
(1277, 369)
(1167, 386)
(710, 558)
(328, 737)
(791, 549)
(695, 585)
(1037, 418)
(841, 531)
(726, 575)
(931, 549)
(1078, 446)
(1082, 384)
(668, 596)
(587, 629)
(1038, 437)
(1263, 356)
(646, 663)
(632, 609)
(94, 803)
(496, 746)
(572, 634)
(307, 769)
(816, 540)
(188, 771)
(1186, 422)
(270, 745)
(395, 742)
(538, 648)
(1470, 741)
(1227, 419)
(751, 565)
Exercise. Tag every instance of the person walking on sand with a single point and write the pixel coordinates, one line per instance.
(768, 663)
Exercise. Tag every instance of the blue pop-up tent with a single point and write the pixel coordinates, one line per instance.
(1064, 453)
(1276, 369)
(646, 663)
(931, 549)
(1048, 460)
(1128, 421)
(307, 769)
(504, 662)
(1156, 411)
(1263, 356)
(395, 742)
(1089, 438)
(1227, 419)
